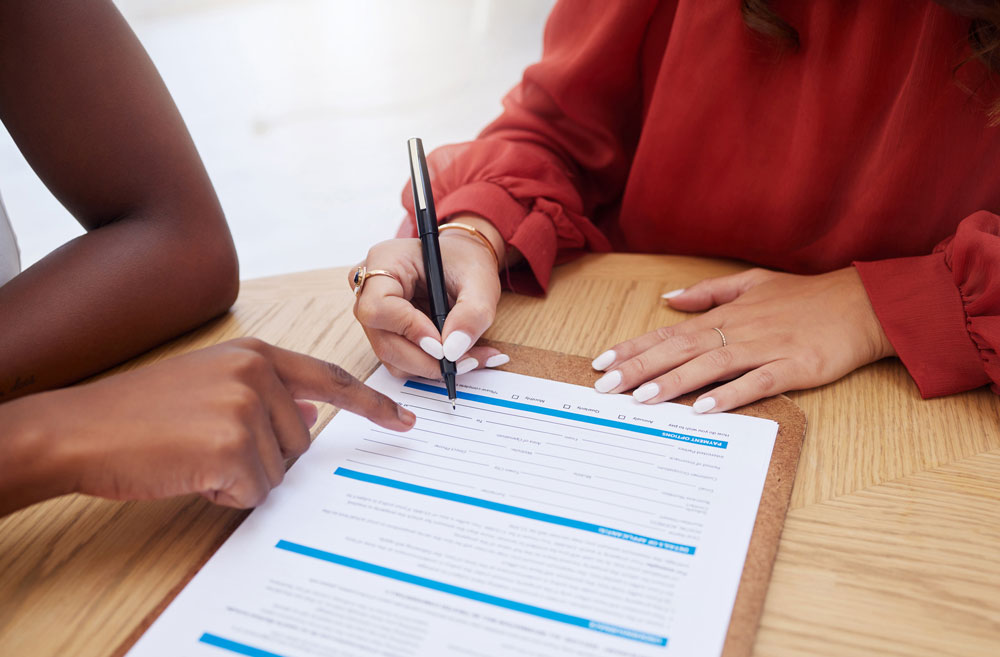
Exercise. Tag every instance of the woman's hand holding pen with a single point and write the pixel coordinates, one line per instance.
(394, 313)
(763, 332)
(221, 422)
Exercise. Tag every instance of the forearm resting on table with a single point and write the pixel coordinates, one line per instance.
(89, 112)
(110, 295)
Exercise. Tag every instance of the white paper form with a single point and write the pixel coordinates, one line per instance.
(538, 518)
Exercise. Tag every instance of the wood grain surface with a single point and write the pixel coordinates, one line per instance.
(891, 545)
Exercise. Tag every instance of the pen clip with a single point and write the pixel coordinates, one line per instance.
(417, 178)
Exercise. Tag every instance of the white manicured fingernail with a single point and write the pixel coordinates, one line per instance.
(673, 293)
(605, 359)
(703, 405)
(608, 381)
(497, 361)
(432, 347)
(466, 365)
(646, 391)
(456, 344)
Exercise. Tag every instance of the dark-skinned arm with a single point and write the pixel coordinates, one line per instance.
(87, 108)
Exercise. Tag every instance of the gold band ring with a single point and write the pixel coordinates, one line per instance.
(721, 335)
(362, 274)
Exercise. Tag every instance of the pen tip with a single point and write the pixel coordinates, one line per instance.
(452, 404)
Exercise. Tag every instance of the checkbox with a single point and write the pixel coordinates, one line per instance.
(621, 417)
(515, 397)
(565, 405)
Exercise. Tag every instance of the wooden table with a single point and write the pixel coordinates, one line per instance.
(891, 546)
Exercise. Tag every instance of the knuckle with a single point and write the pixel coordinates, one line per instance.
(209, 478)
(233, 444)
(672, 380)
(378, 250)
(407, 326)
(636, 367)
(757, 275)
(366, 310)
(243, 401)
(379, 405)
(764, 379)
(386, 352)
(666, 332)
(482, 310)
(814, 361)
(339, 376)
(721, 358)
(249, 343)
(249, 364)
(257, 496)
(684, 344)
(395, 371)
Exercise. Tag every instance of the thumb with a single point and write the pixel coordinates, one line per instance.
(713, 292)
(473, 312)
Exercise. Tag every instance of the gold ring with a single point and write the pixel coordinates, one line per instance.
(362, 274)
(721, 335)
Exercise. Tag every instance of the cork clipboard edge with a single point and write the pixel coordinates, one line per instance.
(777, 492)
(763, 546)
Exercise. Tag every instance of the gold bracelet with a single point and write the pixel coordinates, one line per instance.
(469, 229)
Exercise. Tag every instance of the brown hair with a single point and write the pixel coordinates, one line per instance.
(984, 32)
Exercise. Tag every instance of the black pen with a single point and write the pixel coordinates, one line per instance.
(427, 228)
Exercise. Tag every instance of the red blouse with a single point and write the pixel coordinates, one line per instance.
(667, 127)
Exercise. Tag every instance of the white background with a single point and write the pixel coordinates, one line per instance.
(301, 110)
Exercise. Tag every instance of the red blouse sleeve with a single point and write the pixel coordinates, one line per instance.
(942, 311)
(562, 145)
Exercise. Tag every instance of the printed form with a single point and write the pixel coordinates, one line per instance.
(538, 518)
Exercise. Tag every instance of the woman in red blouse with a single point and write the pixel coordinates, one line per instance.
(857, 167)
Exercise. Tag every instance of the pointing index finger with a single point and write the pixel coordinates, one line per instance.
(318, 380)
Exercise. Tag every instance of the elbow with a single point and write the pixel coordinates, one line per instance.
(216, 280)
(226, 277)
(222, 274)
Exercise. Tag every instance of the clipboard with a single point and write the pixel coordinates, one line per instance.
(774, 498)
(763, 545)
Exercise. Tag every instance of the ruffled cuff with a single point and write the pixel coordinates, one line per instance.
(922, 314)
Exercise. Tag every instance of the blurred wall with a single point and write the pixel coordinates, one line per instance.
(301, 110)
